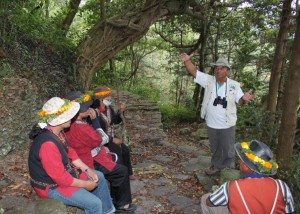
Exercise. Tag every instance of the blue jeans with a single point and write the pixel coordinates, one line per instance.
(97, 201)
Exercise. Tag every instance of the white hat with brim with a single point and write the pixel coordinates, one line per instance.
(53, 105)
(221, 62)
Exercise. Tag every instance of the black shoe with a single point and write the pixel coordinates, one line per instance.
(122, 209)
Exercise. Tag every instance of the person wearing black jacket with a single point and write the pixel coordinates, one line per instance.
(107, 118)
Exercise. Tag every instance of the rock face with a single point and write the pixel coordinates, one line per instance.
(30, 73)
(21, 205)
(142, 119)
(18, 100)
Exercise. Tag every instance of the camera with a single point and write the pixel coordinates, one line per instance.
(220, 101)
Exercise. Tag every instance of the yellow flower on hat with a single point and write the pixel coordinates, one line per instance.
(101, 91)
(42, 113)
(263, 165)
(244, 145)
(267, 165)
(86, 98)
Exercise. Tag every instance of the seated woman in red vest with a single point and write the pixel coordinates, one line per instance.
(84, 138)
(108, 118)
(55, 169)
(256, 191)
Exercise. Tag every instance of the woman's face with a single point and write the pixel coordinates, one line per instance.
(107, 101)
(108, 98)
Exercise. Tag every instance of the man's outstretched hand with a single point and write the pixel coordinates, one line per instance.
(185, 57)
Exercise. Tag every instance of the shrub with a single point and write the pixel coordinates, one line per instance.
(172, 115)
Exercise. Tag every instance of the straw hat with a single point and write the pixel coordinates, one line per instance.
(57, 111)
(257, 156)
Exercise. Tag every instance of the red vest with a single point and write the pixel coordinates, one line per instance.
(259, 195)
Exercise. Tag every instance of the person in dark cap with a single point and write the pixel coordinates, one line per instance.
(84, 138)
(108, 118)
(256, 191)
(219, 110)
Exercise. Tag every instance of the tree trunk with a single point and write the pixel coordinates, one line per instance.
(204, 33)
(102, 9)
(290, 105)
(112, 69)
(108, 37)
(73, 8)
(277, 70)
(216, 44)
(279, 55)
(47, 3)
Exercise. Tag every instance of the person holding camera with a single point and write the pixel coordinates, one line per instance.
(221, 96)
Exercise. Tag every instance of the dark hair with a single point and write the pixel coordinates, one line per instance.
(96, 103)
(35, 131)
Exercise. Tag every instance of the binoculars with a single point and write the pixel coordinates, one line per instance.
(220, 101)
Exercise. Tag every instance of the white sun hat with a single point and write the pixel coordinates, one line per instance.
(57, 111)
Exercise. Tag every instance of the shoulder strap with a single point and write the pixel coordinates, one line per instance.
(244, 202)
(97, 111)
(242, 197)
(276, 196)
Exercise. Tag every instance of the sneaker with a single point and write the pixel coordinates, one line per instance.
(212, 171)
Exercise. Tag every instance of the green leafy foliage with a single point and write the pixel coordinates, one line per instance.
(30, 23)
(172, 115)
(5, 69)
(254, 123)
(146, 90)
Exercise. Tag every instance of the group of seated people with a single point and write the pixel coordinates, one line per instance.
(74, 151)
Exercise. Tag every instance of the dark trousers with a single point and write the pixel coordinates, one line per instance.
(119, 183)
(123, 153)
(222, 147)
